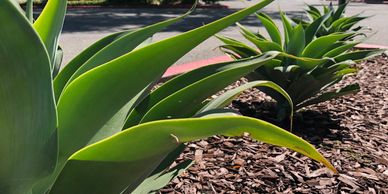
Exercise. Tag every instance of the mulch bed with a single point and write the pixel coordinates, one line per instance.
(352, 132)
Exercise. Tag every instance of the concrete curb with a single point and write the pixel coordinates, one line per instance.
(179, 69)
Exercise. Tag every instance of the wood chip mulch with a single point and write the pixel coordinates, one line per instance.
(352, 132)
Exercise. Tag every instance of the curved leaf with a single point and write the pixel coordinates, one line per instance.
(340, 49)
(134, 153)
(271, 27)
(266, 46)
(317, 47)
(175, 85)
(188, 100)
(226, 98)
(349, 89)
(125, 44)
(359, 55)
(288, 26)
(63, 76)
(95, 97)
(161, 176)
(340, 10)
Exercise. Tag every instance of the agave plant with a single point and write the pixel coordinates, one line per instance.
(95, 127)
(332, 19)
(307, 65)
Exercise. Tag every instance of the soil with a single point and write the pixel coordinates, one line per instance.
(351, 132)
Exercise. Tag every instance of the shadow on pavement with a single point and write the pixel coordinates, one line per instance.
(111, 20)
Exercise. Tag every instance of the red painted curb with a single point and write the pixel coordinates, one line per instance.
(179, 69)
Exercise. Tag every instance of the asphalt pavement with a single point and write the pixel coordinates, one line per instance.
(84, 26)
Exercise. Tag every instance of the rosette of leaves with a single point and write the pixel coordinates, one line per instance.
(333, 19)
(95, 127)
(307, 65)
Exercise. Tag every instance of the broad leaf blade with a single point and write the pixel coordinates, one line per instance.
(134, 153)
(317, 47)
(185, 100)
(27, 109)
(63, 77)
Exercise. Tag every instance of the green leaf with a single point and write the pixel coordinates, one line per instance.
(297, 41)
(262, 44)
(217, 113)
(348, 24)
(109, 48)
(133, 154)
(326, 9)
(271, 28)
(187, 101)
(163, 175)
(313, 28)
(313, 15)
(314, 10)
(340, 10)
(307, 63)
(27, 114)
(62, 78)
(49, 25)
(29, 10)
(125, 44)
(240, 51)
(95, 97)
(359, 55)
(349, 89)
(162, 180)
(226, 98)
(175, 85)
(266, 46)
(287, 27)
(317, 47)
(246, 32)
(340, 49)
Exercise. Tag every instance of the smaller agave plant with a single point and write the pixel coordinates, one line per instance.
(334, 19)
(307, 65)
